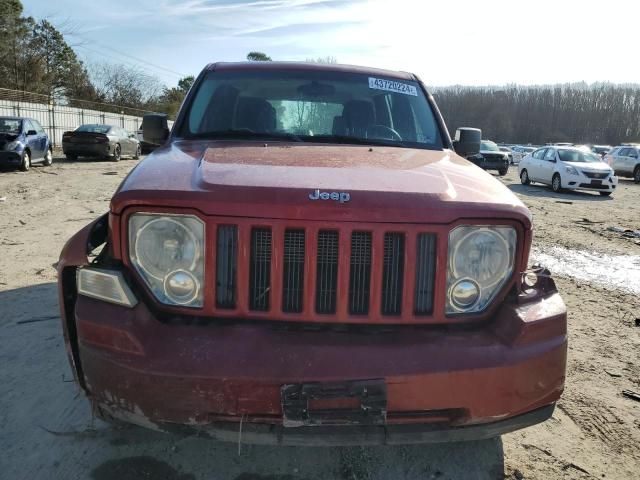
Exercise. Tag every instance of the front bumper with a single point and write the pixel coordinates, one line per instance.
(490, 163)
(10, 158)
(582, 182)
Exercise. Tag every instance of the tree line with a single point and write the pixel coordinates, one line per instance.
(578, 113)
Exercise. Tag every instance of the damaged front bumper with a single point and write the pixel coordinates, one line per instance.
(292, 385)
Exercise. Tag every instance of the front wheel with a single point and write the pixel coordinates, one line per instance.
(48, 158)
(524, 178)
(138, 152)
(26, 162)
(605, 194)
(556, 183)
(636, 174)
(503, 171)
(116, 153)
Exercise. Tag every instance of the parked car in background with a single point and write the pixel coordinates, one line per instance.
(519, 152)
(625, 161)
(568, 168)
(601, 150)
(102, 141)
(23, 142)
(347, 279)
(491, 158)
(508, 151)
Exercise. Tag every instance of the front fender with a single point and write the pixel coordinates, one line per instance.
(75, 254)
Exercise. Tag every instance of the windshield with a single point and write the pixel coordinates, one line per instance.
(331, 107)
(578, 156)
(94, 128)
(489, 146)
(10, 125)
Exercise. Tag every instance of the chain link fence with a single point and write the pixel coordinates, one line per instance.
(57, 119)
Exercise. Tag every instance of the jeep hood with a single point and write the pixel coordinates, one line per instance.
(274, 180)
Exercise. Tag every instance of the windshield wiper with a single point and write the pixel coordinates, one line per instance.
(246, 133)
(346, 139)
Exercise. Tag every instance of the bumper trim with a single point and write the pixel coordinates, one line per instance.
(263, 434)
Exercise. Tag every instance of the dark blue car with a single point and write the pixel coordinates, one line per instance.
(23, 142)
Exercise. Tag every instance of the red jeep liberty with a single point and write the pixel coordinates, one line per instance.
(306, 260)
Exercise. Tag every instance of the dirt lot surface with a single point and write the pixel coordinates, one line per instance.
(46, 429)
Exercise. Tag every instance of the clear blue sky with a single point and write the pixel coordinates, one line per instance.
(446, 42)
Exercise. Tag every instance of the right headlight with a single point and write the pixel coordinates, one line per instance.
(168, 252)
(481, 261)
(15, 145)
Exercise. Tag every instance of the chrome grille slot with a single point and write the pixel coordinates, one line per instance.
(327, 271)
(293, 271)
(226, 266)
(360, 273)
(393, 270)
(260, 271)
(425, 274)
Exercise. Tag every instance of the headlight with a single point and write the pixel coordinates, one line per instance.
(481, 261)
(13, 145)
(168, 252)
(570, 170)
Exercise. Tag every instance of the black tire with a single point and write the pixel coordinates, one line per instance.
(26, 161)
(503, 171)
(117, 153)
(556, 183)
(524, 177)
(138, 152)
(605, 194)
(636, 174)
(48, 158)
(71, 156)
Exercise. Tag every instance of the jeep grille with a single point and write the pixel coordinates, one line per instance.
(317, 272)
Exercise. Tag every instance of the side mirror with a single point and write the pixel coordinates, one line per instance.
(467, 141)
(31, 132)
(155, 128)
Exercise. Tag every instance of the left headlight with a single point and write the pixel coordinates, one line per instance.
(481, 261)
(13, 145)
(168, 252)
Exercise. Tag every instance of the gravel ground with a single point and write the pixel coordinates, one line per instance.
(48, 432)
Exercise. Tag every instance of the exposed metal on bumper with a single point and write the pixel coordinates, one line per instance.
(357, 435)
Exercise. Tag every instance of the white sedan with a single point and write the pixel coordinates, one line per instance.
(568, 168)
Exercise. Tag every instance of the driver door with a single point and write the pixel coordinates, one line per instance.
(33, 140)
(631, 160)
(548, 165)
(535, 164)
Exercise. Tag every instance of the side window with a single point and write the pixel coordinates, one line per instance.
(37, 127)
(633, 153)
(28, 126)
(539, 154)
(550, 156)
(623, 152)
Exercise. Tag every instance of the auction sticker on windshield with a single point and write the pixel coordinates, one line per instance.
(391, 86)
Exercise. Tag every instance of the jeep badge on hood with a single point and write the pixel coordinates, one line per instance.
(341, 197)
